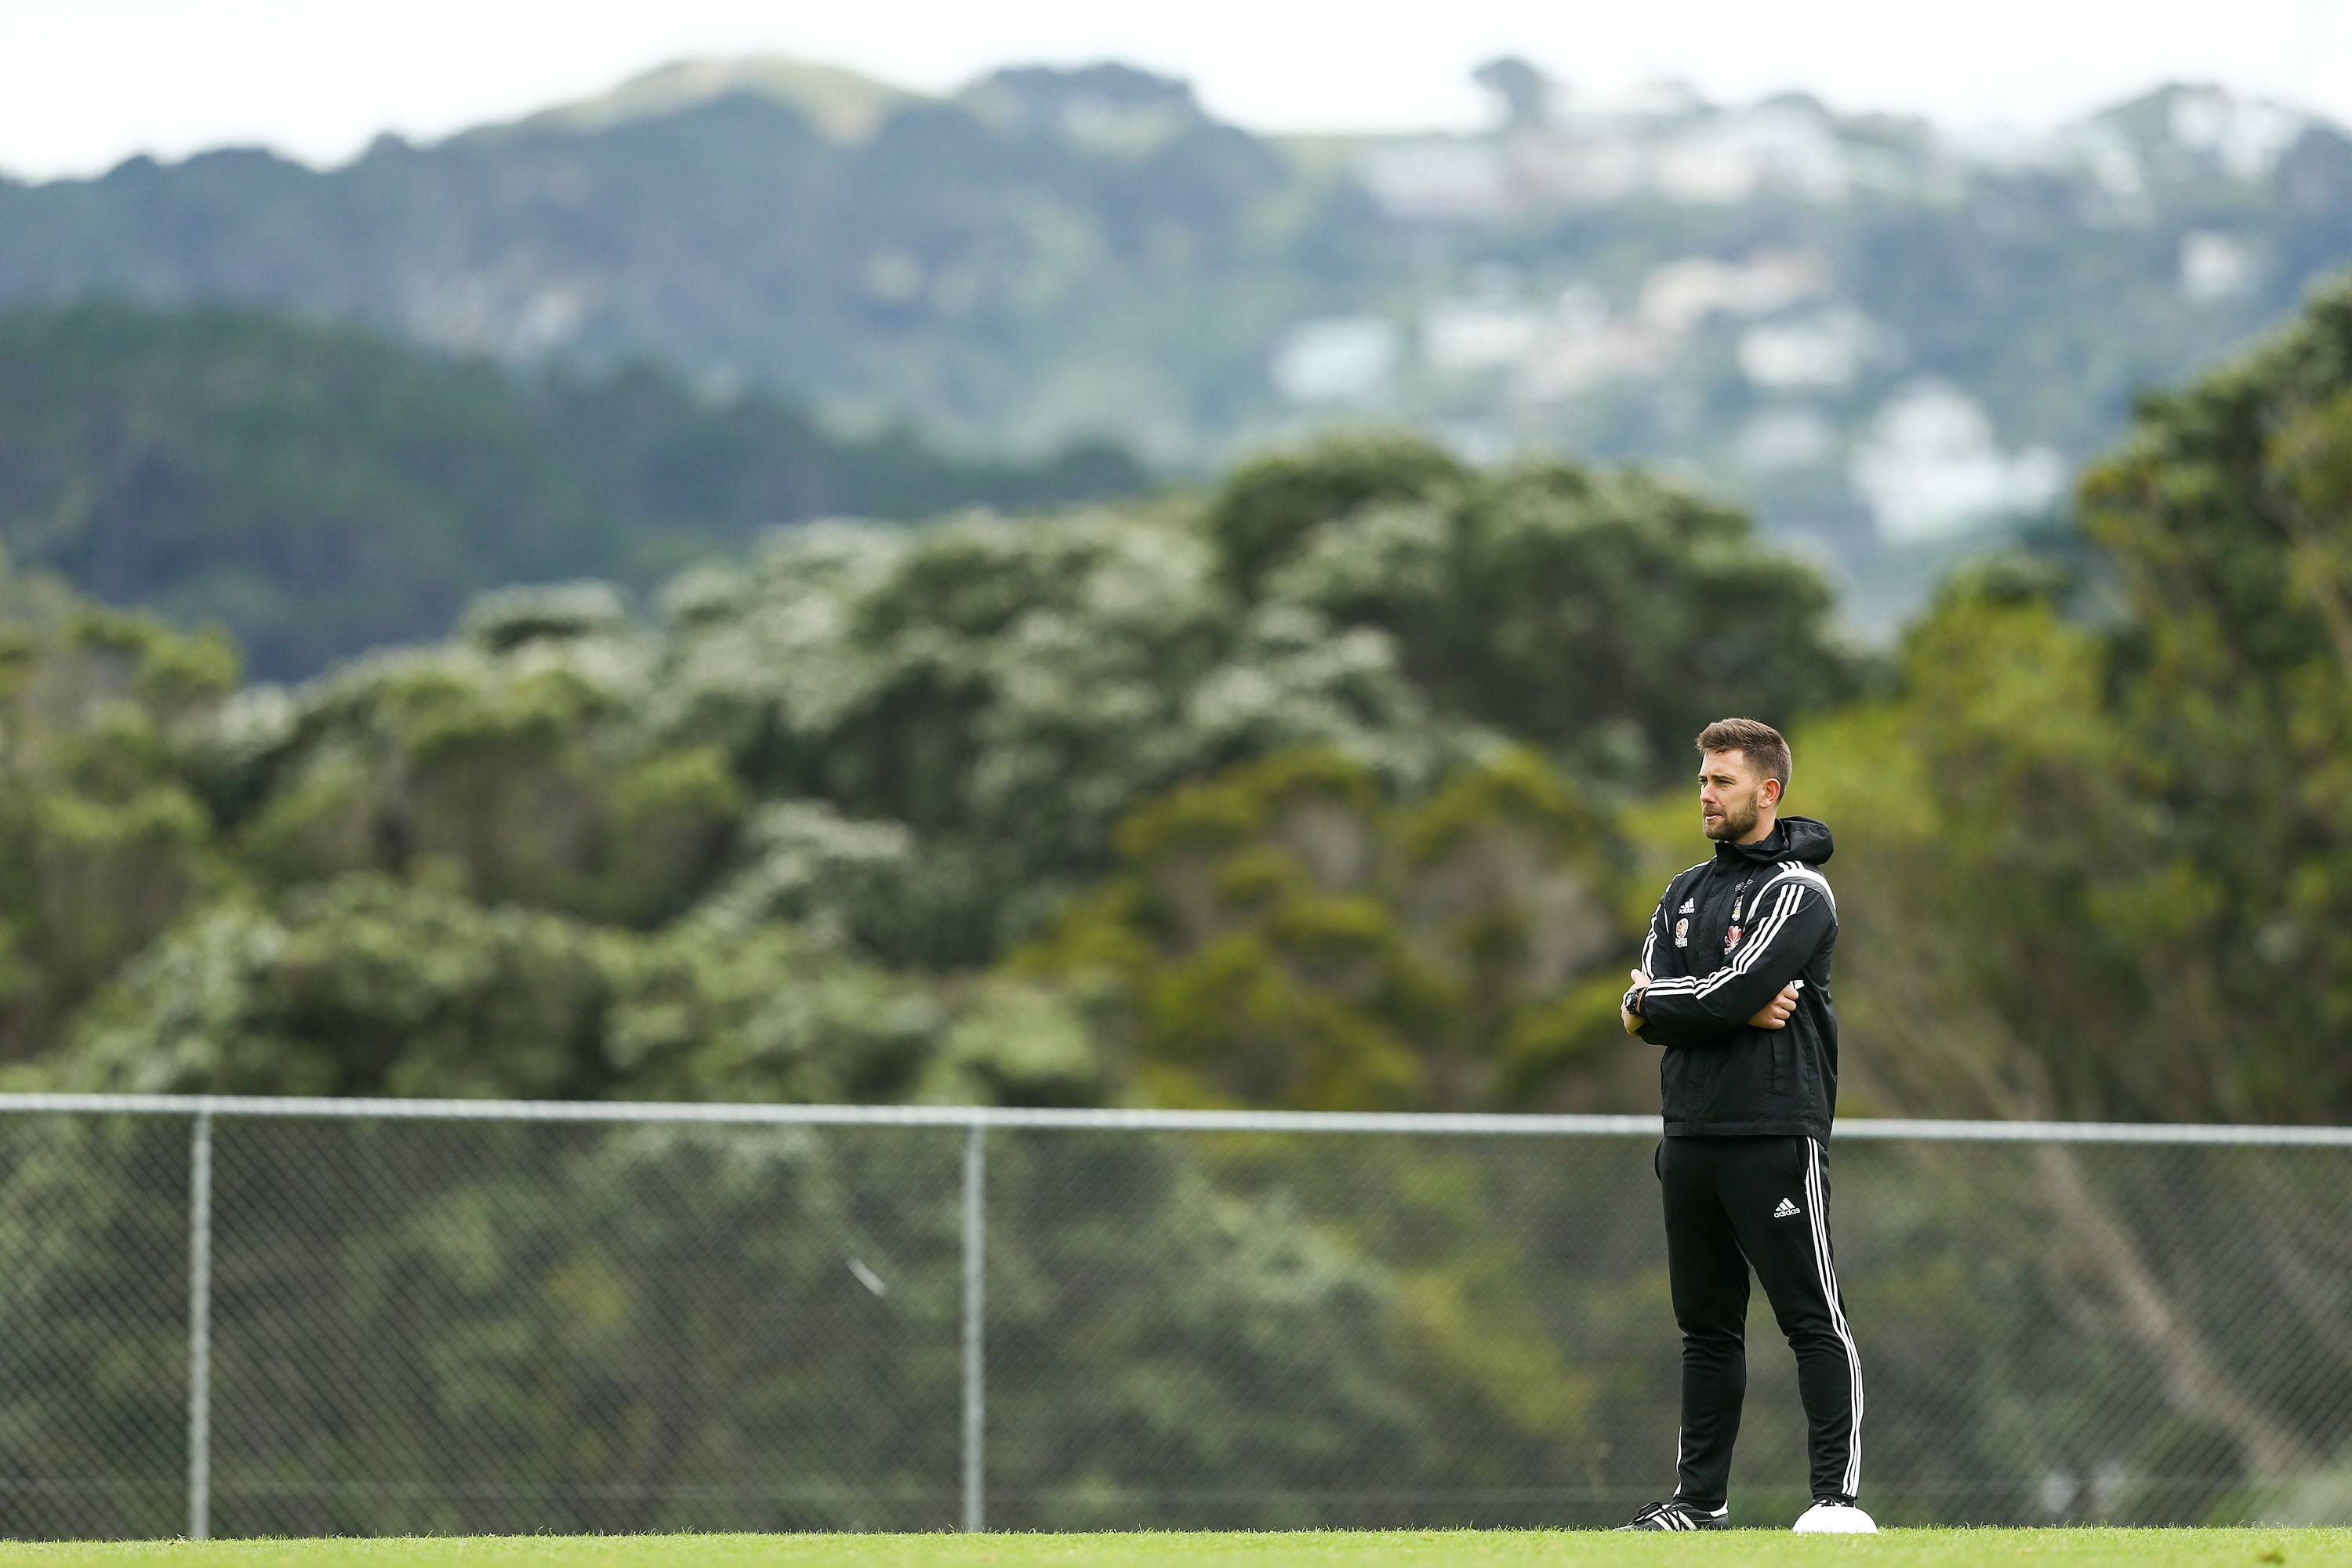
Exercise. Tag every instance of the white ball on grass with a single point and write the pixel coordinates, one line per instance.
(1835, 1518)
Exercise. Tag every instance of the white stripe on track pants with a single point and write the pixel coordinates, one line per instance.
(1734, 1202)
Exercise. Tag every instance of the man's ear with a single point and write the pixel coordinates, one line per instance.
(1772, 799)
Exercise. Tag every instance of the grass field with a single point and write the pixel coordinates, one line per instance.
(1399, 1549)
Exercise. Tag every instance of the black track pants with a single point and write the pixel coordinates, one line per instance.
(1732, 1203)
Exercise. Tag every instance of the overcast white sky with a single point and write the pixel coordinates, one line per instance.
(84, 83)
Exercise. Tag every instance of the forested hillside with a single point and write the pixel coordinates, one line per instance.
(812, 831)
(320, 490)
(1326, 788)
(1884, 339)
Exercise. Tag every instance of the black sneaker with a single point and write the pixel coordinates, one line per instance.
(1676, 1515)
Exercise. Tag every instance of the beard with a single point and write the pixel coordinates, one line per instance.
(1739, 820)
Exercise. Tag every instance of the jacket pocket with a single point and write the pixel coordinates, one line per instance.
(1788, 1070)
(1813, 1081)
(1710, 1072)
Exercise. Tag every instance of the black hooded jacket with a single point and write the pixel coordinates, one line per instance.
(1730, 933)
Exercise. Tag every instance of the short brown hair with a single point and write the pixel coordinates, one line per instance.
(1761, 743)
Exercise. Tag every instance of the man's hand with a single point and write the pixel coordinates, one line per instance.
(1632, 1020)
(1774, 1015)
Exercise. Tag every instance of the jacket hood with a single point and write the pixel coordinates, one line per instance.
(1792, 838)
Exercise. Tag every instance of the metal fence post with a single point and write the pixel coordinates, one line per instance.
(200, 1326)
(975, 1264)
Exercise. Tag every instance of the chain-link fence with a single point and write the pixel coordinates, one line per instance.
(250, 1316)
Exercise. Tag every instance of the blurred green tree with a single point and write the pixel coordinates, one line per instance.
(1286, 935)
(104, 835)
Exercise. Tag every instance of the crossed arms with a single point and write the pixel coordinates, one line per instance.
(1759, 987)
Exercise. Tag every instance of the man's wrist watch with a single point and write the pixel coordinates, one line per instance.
(1633, 995)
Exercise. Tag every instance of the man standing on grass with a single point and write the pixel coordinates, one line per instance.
(1735, 987)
